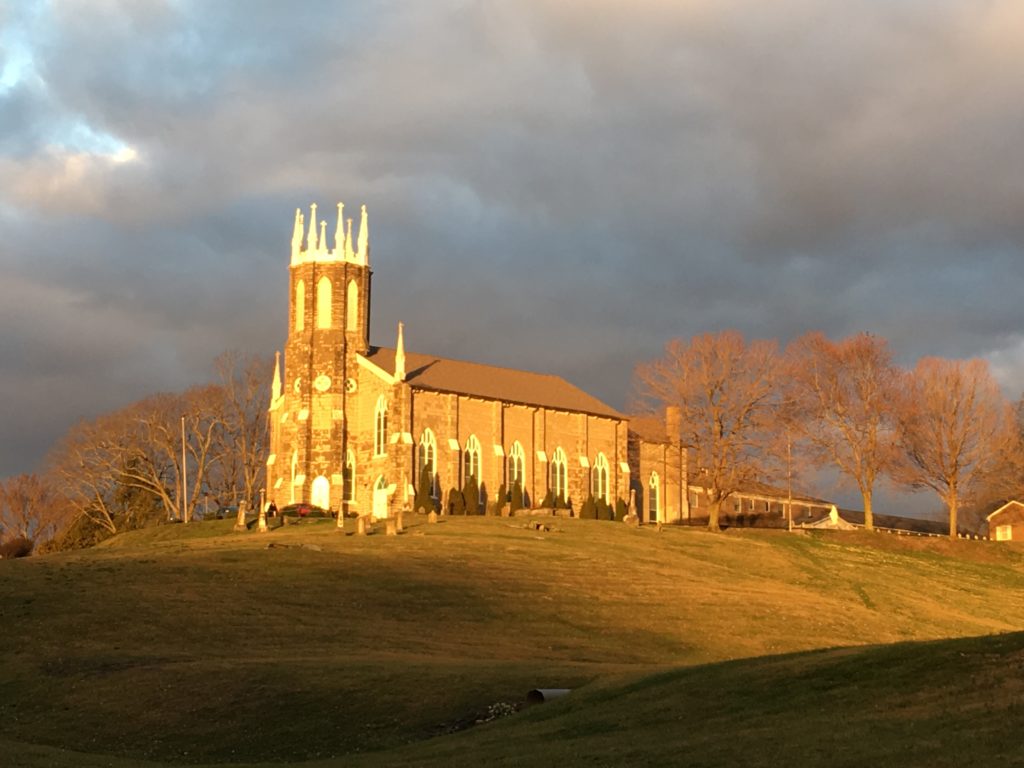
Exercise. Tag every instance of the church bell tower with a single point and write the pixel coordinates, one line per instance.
(328, 325)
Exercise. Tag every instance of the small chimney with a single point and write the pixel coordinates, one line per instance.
(673, 423)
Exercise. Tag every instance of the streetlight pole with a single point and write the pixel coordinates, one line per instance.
(789, 480)
(184, 476)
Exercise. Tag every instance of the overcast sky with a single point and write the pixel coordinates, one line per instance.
(558, 186)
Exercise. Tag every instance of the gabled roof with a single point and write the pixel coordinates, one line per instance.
(650, 429)
(491, 382)
(1003, 508)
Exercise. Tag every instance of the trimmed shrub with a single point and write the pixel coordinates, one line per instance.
(516, 501)
(589, 509)
(456, 503)
(424, 500)
(548, 501)
(16, 547)
(621, 509)
(604, 510)
(471, 496)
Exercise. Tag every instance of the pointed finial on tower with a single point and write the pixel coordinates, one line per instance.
(339, 232)
(364, 237)
(400, 354)
(297, 235)
(311, 239)
(323, 237)
(349, 255)
(275, 387)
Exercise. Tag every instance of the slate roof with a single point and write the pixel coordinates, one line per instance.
(491, 382)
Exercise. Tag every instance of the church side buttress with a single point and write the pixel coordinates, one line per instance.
(313, 403)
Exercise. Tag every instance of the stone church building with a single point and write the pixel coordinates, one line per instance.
(352, 425)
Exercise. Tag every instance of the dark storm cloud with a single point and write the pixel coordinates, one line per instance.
(555, 186)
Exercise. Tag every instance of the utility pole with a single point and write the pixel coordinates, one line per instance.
(184, 476)
(789, 480)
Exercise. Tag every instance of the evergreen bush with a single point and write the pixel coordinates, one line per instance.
(471, 496)
(604, 510)
(589, 509)
(456, 503)
(516, 502)
(424, 493)
(621, 509)
(16, 547)
(548, 501)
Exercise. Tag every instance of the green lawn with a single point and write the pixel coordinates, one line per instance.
(201, 646)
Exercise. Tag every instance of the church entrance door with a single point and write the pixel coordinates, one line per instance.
(380, 498)
(320, 493)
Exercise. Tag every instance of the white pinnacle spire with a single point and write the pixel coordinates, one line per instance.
(339, 232)
(323, 237)
(311, 239)
(400, 354)
(349, 255)
(275, 387)
(364, 237)
(297, 235)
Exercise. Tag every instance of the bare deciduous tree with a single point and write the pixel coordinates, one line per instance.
(84, 467)
(726, 392)
(843, 394)
(241, 445)
(152, 460)
(956, 429)
(27, 508)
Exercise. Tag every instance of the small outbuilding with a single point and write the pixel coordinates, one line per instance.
(1007, 522)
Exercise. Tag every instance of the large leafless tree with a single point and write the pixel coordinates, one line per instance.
(241, 443)
(115, 469)
(956, 430)
(28, 508)
(843, 396)
(727, 395)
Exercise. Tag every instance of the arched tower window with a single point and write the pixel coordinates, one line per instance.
(516, 466)
(380, 427)
(352, 307)
(601, 477)
(654, 498)
(559, 481)
(428, 459)
(471, 458)
(349, 475)
(323, 302)
(300, 305)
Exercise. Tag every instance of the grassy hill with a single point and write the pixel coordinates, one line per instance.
(200, 646)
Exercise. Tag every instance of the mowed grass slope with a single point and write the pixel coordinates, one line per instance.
(198, 645)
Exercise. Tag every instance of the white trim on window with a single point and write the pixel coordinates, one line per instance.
(380, 427)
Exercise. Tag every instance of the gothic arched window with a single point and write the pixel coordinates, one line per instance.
(559, 483)
(323, 302)
(471, 458)
(380, 427)
(352, 307)
(654, 498)
(300, 305)
(516, 466)
(601, 477)
(428, 458)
